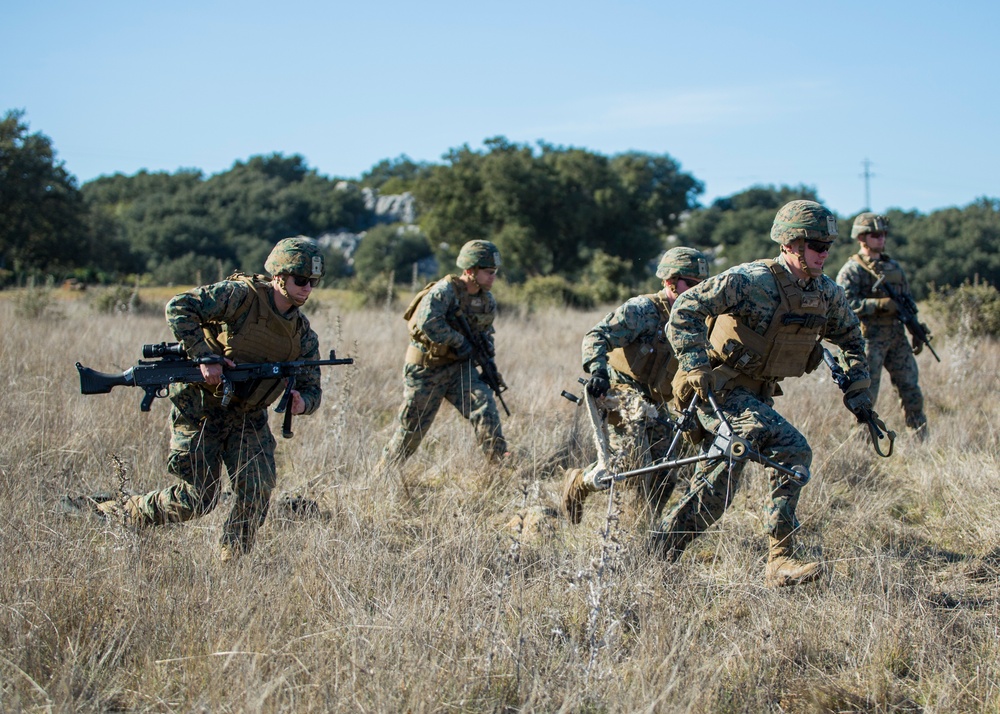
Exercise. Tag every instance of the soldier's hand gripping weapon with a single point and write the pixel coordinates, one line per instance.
(863, 410)
(722, 443)
(906, 311)
(482, 355)
(166, 363)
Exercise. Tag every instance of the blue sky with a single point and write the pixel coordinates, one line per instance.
(739, 93)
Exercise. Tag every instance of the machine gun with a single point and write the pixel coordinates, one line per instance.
(865, 415)
(166, 363)
(482, 355)
(906, 311)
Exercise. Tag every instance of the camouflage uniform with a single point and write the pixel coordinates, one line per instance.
(885, 337)
(750, 294)
(436, 368)
(629, 349)
(634, 436)
(204, 434)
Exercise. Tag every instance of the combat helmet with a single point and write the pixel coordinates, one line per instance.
(869, 222)
(296, 256)
(478, 254)
(683, 263)
(803, 219)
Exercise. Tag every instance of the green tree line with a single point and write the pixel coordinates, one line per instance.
(553, 211)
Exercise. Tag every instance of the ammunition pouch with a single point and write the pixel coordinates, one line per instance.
(815, 358)
(437, 356)
(728, 379)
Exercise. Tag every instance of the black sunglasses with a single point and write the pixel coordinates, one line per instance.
(301, 281)
(818, 246)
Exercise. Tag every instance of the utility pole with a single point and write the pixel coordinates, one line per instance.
(867, 175)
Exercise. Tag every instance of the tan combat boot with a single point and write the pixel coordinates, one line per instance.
(574, 493)
(125, 512)
(784, 570)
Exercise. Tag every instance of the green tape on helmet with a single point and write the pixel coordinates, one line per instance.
(683, 263)
(478, 254)
(295, 256)
(803, 219)
(869, 222)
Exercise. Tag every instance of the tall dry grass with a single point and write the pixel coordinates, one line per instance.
(460, 591)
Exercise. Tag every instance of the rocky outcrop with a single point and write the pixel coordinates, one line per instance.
(391, 208)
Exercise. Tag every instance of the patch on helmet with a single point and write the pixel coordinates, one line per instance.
(831, 225)
(317, 265)
(496, 259)
(702, 268)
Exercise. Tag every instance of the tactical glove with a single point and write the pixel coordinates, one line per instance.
(858, 401)
(701, 380)
(599, 382)
(686, 384)
(464, 351)
(886, 306)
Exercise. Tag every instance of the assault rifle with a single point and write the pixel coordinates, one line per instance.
(166, 363)
(482, 355)
(865, 415)
(906, 311)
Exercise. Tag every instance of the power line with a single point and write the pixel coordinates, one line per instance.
(867, 175)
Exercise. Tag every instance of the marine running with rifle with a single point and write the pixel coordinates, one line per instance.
(167, 363)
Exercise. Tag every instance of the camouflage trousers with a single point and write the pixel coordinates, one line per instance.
(204, 438)
(886, 346)
(636, 439)
(716, 482)
(424, 390)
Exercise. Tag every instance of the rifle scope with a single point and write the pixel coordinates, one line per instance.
(163, 349)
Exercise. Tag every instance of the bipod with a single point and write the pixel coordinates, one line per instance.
(724, 444)
(598, 426)
(669, 423)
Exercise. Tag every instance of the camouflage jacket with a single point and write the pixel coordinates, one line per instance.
(220, 303)
(858, 283)
(434, 314)
(750, 293)
(637, 320)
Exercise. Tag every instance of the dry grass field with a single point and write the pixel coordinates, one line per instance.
(458, 588)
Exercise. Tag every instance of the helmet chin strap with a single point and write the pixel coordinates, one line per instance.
(281, 285)
(473, 274)
(811, 272)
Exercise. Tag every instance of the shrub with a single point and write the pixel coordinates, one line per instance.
(378, 291)
(117, 298)
(35, 301)
(607, 278)
(971, 310)
(553, 291)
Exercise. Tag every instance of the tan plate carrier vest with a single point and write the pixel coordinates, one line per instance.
(746, 358)
(893, 276)
(436, 354)
(652, 365)
(264, 336)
